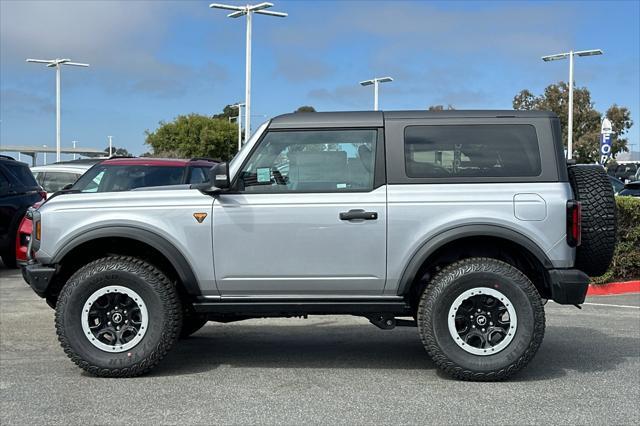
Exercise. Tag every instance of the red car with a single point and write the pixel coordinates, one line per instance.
(123, 174)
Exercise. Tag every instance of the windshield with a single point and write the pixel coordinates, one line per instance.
(110, 178)
(243, 150)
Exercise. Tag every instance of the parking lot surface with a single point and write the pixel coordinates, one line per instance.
(323, 370)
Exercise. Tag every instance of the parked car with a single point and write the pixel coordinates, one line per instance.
(631, 189)
(462, 221)
(616, 184)
(54, 177)
(18, 191)
(122, 174)
(624, 171)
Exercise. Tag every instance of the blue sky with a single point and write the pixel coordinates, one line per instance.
(154, 60)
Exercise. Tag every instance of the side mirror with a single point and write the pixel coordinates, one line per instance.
(219, 176)
(218, 179)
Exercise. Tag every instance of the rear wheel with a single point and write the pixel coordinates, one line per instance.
(481, 319)
(118, 317)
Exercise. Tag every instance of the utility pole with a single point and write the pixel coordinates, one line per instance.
(239, 105)
(248, 11)
(57, 64)
(570, 55)
(375, 82)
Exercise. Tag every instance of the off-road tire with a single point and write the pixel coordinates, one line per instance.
(438, 297)
(592, 188)
(162, 303)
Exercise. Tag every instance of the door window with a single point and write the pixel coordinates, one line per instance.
(311, 161)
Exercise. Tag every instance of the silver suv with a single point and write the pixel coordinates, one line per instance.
(459, 222)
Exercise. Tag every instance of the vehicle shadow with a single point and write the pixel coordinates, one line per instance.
(319, 345)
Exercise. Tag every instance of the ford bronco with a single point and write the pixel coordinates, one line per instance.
(462, 223)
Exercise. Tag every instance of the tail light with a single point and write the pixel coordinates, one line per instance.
(574, 223)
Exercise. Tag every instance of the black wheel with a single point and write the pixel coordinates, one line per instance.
(592, 188)
(191, 323)
(481, 319)
(118, 317)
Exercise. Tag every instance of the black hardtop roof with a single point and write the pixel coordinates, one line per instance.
(376, 118)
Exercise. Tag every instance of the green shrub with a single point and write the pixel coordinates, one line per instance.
(625, 265)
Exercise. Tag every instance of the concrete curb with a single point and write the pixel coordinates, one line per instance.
(614, 288)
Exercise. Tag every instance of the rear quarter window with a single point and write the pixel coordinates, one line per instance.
(487, 151)
(22, 174)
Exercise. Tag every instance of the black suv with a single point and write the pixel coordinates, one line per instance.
(18, 191)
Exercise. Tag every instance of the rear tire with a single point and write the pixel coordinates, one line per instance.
(122, 293)
(592, 188)
(458, 329)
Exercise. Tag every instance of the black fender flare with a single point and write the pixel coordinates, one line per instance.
(434, 243)
(166, 248)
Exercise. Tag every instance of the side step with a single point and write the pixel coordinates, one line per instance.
(302, 307)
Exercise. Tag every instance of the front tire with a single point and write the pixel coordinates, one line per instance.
(481, 319)
(118, 317)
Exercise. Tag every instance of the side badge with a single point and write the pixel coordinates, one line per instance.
(200, 216)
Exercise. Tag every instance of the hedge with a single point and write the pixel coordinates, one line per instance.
(625, 265)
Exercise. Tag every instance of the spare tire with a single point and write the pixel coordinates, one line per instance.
(592, 188)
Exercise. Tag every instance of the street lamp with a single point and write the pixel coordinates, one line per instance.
(248, 11)
(50, 64)
(375, 82)
(570, 55)
(239, 105)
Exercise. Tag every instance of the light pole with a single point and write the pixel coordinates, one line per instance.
(570, 55)
(248, 10)
(110, 151)
(56, 63)
(239, 105)
(74, 147)
(376, 82)
(45, 155)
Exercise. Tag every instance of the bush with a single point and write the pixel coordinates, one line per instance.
(625, 265)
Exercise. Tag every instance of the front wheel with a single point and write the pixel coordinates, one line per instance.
(481, 319)
(118, 317)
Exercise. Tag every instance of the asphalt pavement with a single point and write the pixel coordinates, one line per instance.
(322, 370)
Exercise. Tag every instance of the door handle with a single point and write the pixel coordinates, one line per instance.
(358, 214)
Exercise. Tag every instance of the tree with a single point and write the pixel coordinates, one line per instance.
(194, 135)
(228, 112)
(586, 120)
(305, 108)
(119, 152)
(440, 108)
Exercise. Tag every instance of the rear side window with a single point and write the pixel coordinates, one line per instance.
(471, 151)
(22, 173)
